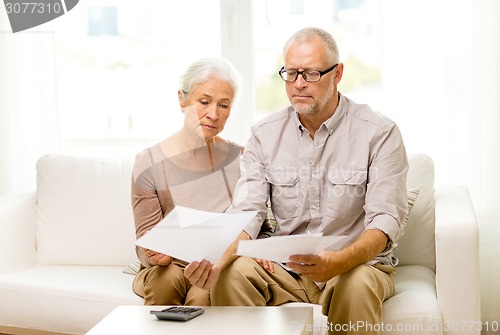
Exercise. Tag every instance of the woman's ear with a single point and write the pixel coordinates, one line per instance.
(180, 95)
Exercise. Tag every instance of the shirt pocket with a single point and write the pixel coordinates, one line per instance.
(284, 192)
(346, 192)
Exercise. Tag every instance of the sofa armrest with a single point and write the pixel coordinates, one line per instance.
(17, 232)
(457, 261)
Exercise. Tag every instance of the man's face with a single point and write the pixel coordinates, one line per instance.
(311, 97)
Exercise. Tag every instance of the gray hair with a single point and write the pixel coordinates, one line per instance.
(206, 68)
(332, 51)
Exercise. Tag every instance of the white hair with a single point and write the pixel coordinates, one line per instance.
(332, 51)
(206, 68)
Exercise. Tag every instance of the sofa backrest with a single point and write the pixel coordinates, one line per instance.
(417, 246)
(83, 212)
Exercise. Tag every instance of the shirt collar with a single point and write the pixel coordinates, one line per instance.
(303, 130)
(332, 123)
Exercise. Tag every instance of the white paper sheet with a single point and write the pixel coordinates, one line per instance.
(193, 235)
(280, 248)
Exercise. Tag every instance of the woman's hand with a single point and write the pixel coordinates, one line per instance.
(202, 274)
(156, 258)
(267, 265)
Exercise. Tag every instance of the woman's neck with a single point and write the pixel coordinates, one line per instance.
(189, 149)
(187, 140)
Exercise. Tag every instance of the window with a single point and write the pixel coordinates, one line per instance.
(355, 24)
(118, 62)
(118, 65)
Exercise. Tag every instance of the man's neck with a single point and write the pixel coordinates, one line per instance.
(312, 121)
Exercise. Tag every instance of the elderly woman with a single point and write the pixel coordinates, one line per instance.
(195, 168)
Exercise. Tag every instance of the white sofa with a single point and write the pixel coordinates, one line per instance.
(63, 250)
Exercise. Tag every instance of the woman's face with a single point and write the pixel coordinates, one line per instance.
(207, 107)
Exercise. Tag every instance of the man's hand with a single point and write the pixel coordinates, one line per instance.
(328, 264)
(156, 258)
(202, 274)
(321, 267)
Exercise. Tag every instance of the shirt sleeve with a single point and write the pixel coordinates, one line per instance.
(386, 197)
(146, 206)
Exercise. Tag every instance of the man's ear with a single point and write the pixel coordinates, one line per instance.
(180, 96)
(339, 72)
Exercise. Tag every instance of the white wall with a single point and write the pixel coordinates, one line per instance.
(442, 86)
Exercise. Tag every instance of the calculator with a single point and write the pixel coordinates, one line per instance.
(178, 313)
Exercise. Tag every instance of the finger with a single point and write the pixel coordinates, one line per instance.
(196, 272)
(164, 260)
(269, 266)
(300, 268)
(158, 259)
(202, 281)
(304, 259)
(213, 276)
(199, 275)
(266, 265)
(151, 253)
(259, 261)
(153, 260)
(190, 268)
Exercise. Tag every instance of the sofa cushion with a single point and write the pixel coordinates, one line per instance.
(62, 298)
(83, 213)
(414, 284)
(417, 245)
(412, 197)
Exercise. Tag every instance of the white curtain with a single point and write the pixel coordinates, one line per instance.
(237, 47)
(28, 115)
(441, 77)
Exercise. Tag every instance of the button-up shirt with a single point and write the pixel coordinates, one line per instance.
(351, 177)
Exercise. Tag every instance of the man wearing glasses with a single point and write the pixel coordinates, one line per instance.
(328, 166)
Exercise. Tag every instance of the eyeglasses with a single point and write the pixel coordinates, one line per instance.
(308, 75)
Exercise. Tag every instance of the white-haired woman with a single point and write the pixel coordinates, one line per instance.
(194, 168)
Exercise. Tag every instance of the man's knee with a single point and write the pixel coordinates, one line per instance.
(237, 284)
(355, 282)
(236, 272)
(359, 291)
(240, 267)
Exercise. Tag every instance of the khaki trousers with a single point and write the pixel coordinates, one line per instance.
(352, 301)
(166, 285)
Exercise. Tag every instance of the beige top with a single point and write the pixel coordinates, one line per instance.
(203, 178)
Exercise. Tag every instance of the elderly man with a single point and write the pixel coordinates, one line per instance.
(328, 166)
